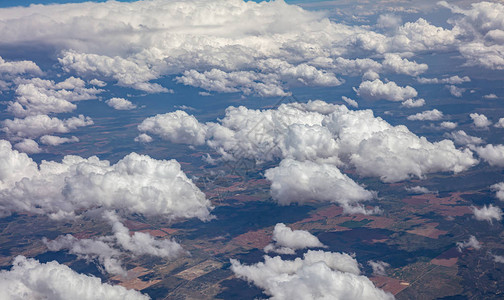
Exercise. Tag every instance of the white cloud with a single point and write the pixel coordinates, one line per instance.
(135, 184)
(38, 96)
(480, 120)
(28, 146)
(419, 190)
(379, 267)
(10, 69)
(52, 140)
(490, 96)
(298, 182)
(500, 123)
(286, 240)
(318, 132)
(35, 126)
(499, 258)
(399, 65)
(428, 115)
(143, 138)
(120, 104)
(499, 190)
(487, 213)
(462, 138)
(449, 125)
(472, 243)
(318, 275)
(455, 91)
(178, 127)
(449, 80)
(413, 103)
(376, 90)
(493, 155)
(90, 249)
(350, 102)
(30, 279)
(98, 82)
(142, 243)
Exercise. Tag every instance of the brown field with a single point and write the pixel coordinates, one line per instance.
(253, 239)
(428, 230)
(199, 270)
(389, 284)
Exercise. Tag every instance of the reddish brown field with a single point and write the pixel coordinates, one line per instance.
(428, 230)
(388, 284)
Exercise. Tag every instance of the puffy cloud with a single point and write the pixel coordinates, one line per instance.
(500, 123)
(318, 132)
(462, 138)
(455, 91)
(376, 90)
(493, 155)
(28, 146)
(143, 138)
(30, 279)
(11, 69)
(419, 190)
(490, 96)
(428, 115)
(499, 190)
(498, 258)
(413, 103)
(318, 275)
(480, 120)
(120, 104)
(379, 267)
(178, 127)
(472, 243)
(450, 80)
(135, 184)
(287, 240)
(487, 213)
(35, 126)
(399, 65)
(142, 243)
(53, 140)
(350, 102)
(104, 249)
(299, 182)
(38, 96)
(449, 125)
(90, 249)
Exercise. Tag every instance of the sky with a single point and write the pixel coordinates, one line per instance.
(107, 107)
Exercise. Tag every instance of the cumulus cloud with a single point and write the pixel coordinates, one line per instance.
(377, 90)
(106, 250)
(413, 103)
(480, 120)
(500, 123)
(449, 80)
(493, 155)
(428, 115)
(318, 275)
(449, 125)
(30, 279)
(399, 65)
(419, 190)
(455, 91)
(319, 132)
(28, 146)
(350, 102)
(35, 126)
(298, 182)
(286, 240)
(39, 96)
(120, 104)
(53, 140)
(143, 138)
(490, 96)
(178, 127)
(379, 267)
(499, 190)
(471, 243)
(135, 184)
(487, 213)
(462, 138)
